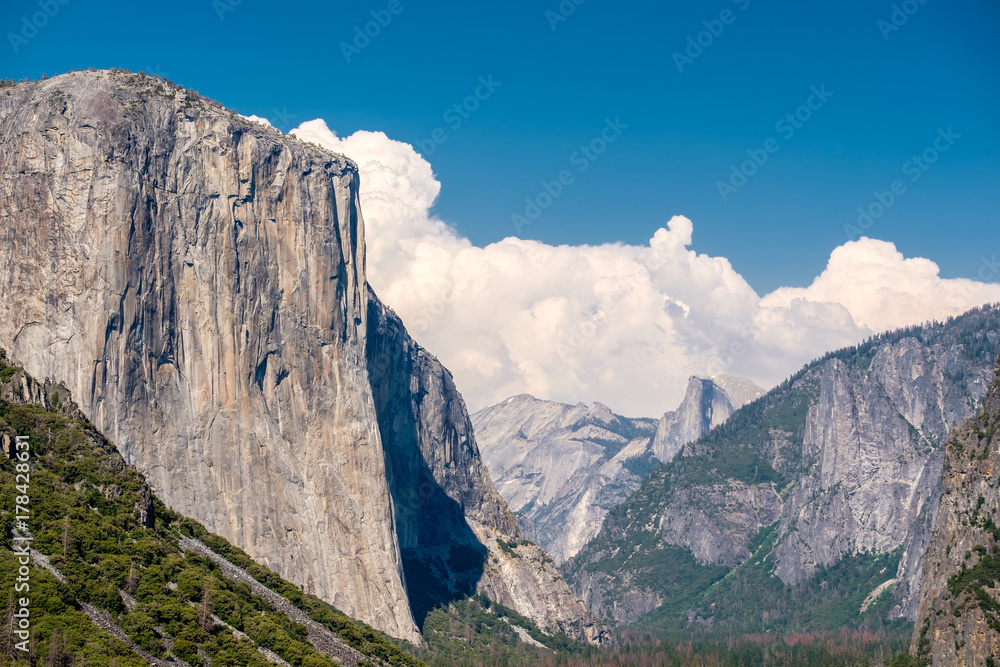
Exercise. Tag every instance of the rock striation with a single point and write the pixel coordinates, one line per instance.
(198, 282)
(562, 467)
(958, 618)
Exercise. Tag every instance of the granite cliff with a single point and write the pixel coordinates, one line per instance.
(198, 282)
(958, 618)
(838, 467)
(456, 533)
(561, 467)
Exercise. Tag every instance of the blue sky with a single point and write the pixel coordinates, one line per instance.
(685, 129)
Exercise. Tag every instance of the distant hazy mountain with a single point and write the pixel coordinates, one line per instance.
(561, 468)
(811, 507)
(707, 403)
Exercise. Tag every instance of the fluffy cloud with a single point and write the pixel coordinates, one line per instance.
(625, 325)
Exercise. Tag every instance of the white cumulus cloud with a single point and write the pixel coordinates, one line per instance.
(622, 324)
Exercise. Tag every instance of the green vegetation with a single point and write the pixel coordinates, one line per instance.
(976, 581)
(752, 600)
(509, 548)
(365, 639)
(6, 371)
(474, 632)
(477, 631)
(86, 507)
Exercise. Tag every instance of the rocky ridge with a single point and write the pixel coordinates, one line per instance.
(707, 403)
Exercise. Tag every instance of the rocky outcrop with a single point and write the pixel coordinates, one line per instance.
(456, 533)
(958, 618)
(707, 403)
(844, 460)
(198, 282)
(873, 443)
(562, 467)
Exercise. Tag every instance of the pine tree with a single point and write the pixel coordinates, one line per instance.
(65, 538)
(205, 618)
(133, 579)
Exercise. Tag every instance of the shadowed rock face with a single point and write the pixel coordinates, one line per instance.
(957, 621)
(197, 281)
(449, 516)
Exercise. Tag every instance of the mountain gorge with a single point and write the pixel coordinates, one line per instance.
(815, 501)
(562, 468)
(198, 283)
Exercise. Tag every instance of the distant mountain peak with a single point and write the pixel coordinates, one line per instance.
(563, 467)
(708, 402)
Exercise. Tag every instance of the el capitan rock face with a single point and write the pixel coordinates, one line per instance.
(197, 281)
